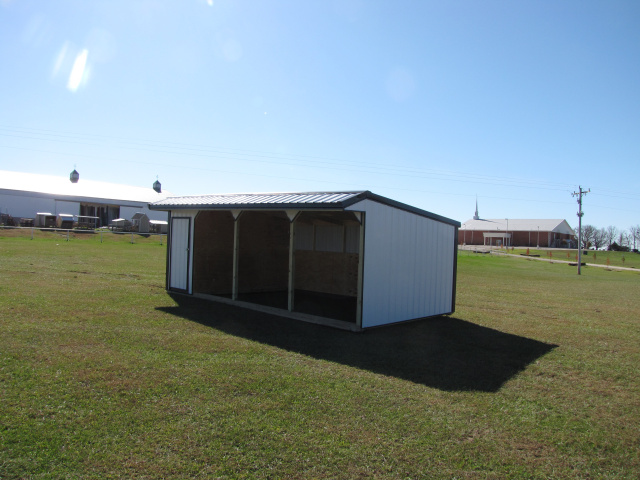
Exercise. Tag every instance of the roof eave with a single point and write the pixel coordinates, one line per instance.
(250, 206)
(339, 205)
(409, 208)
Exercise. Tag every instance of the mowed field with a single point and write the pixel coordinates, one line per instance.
(103, 374)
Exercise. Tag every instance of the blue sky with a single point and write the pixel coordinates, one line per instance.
(429, 103)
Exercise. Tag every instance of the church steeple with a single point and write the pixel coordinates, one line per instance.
(476, 217)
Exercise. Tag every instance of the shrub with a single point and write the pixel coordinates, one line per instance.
(618, 248)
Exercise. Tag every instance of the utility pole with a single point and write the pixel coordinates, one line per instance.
(579, 194)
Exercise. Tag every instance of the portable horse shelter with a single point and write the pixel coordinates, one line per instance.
(65, 220)
(352, 260)
(140, 223)
(46, 220)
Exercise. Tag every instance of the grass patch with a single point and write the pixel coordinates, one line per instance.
(105, 375)
(614, 259)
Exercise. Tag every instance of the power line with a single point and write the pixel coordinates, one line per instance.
(332, 182)
(381, 169)
(288, 160)
(227, 153)
(261, 154)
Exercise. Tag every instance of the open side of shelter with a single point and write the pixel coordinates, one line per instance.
(352, 260)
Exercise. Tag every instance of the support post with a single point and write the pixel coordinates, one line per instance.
(236, 245)
(580, 194)
(292, 215)
(360, 271)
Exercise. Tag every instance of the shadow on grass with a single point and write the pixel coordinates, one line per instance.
(441, 352)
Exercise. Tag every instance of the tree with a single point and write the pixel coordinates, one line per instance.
(634, 234)
(624, 239)
(588, 232)
(599, 238)
(618, 248)
(610, 235)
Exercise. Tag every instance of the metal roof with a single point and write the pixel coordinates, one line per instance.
(286, 201)
(62, 189)
(240, 200)
(518, 225)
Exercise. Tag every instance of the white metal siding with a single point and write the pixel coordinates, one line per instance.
(408, 265)
(352, 238)
(304, 237)
(180, 249)
(129, 212)
(25, 206)
(72, 208)
(329, 238)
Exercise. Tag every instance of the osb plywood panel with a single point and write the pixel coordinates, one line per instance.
(263, 257)
(327, 272)
(213, 253)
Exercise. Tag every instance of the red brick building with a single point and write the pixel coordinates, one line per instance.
(517, 233)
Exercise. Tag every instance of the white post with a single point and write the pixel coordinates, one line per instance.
(292, 258)
(508, 239)
(31, 233)
(236, 254)
(360, 269)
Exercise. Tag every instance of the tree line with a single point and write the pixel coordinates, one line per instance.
(611, 238)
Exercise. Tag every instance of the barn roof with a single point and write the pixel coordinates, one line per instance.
(61, 188)
(291, 200)
(518, 225)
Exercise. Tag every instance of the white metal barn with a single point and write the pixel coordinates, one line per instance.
(352, 260)
(29, 194)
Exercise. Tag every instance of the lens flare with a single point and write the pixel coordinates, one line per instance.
(77, 72)
(62, 55)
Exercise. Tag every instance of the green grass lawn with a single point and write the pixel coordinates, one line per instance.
(105, 375)
(614, 259)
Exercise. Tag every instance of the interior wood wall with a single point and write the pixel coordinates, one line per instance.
(263, 257)
(213, 253)
(327, 272)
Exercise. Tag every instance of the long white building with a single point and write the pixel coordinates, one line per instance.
(23, 195)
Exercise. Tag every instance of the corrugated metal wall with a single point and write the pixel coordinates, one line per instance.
(181, 268)
(72, 208)
(26, 205)
(408, 265)
(327, 238)
(304, 237)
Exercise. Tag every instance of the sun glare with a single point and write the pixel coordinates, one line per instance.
(77, 72)
(60, 59)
